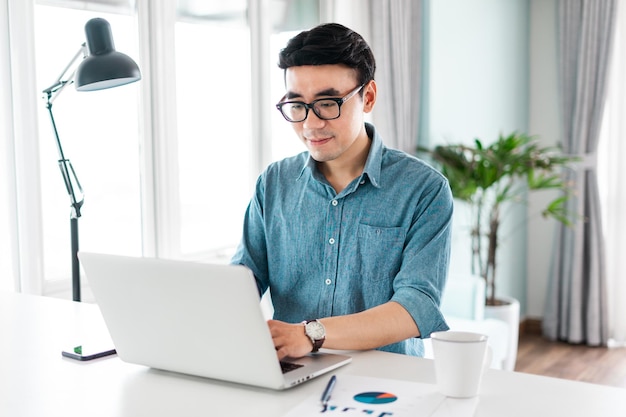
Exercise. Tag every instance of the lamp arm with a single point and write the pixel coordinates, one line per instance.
(55, 89)
(67, 171)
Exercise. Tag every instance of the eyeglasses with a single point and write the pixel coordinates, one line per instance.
(324, 108)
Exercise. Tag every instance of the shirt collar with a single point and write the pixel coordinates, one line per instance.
(375, 158)
(372, 164)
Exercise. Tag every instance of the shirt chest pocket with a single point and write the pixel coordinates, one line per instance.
(379, 251)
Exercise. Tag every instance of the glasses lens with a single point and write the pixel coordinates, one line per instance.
(326, 109)
(294, 112)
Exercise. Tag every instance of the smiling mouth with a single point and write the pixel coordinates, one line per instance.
(318, 141)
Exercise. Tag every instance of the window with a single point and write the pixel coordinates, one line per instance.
(213, 63)
(220, 73)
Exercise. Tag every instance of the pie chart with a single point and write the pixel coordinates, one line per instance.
(375, 397)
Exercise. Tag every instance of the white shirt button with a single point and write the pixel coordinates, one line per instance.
(328, 281)
(331, 241)
(334, 202)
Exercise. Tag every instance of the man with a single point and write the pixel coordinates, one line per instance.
(351, 238)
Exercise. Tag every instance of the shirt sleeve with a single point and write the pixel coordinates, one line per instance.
(419, 284)
(252, 249)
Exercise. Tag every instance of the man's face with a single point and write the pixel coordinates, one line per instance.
(329, 140)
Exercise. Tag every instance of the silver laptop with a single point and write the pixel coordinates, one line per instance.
(194, 318)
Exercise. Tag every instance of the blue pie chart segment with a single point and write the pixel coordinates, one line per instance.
(375, 397)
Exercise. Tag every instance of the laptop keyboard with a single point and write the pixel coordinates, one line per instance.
(289, 366)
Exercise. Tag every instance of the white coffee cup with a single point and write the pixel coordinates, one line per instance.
(460, 360)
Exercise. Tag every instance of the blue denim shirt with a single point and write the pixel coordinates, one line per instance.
(385, 237)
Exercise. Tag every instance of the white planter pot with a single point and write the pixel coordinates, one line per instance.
(509, 313)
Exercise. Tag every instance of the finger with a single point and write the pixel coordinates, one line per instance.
(282, 352)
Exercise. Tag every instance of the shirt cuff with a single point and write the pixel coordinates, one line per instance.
(425, 312)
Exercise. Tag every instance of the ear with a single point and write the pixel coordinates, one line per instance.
(369, 96)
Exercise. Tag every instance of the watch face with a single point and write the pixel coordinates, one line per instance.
(315, 330)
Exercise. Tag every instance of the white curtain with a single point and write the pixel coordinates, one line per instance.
(577, 308)
(396, 31)
(611, 174)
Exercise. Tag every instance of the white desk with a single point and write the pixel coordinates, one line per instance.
(36, 381)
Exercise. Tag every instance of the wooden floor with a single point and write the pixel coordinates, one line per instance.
(598, 365)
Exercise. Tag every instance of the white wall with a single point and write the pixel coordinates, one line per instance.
(544, 122)
(478, 87)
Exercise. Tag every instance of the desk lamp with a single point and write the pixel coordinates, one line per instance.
(102, 67)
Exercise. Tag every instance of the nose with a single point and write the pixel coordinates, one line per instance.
(312, 121)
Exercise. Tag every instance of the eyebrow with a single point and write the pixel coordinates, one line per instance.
(328, 92)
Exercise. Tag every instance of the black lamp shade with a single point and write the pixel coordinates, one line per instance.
(104, 67)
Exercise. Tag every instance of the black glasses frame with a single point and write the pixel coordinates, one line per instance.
(311, 105)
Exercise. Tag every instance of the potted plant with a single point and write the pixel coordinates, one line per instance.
(487, 177)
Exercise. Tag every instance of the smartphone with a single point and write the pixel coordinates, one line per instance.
(87, 352)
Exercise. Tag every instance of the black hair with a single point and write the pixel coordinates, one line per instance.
(330, 43)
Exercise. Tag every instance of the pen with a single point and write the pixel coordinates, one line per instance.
(327, 391)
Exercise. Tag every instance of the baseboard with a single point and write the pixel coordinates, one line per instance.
(530, 326)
